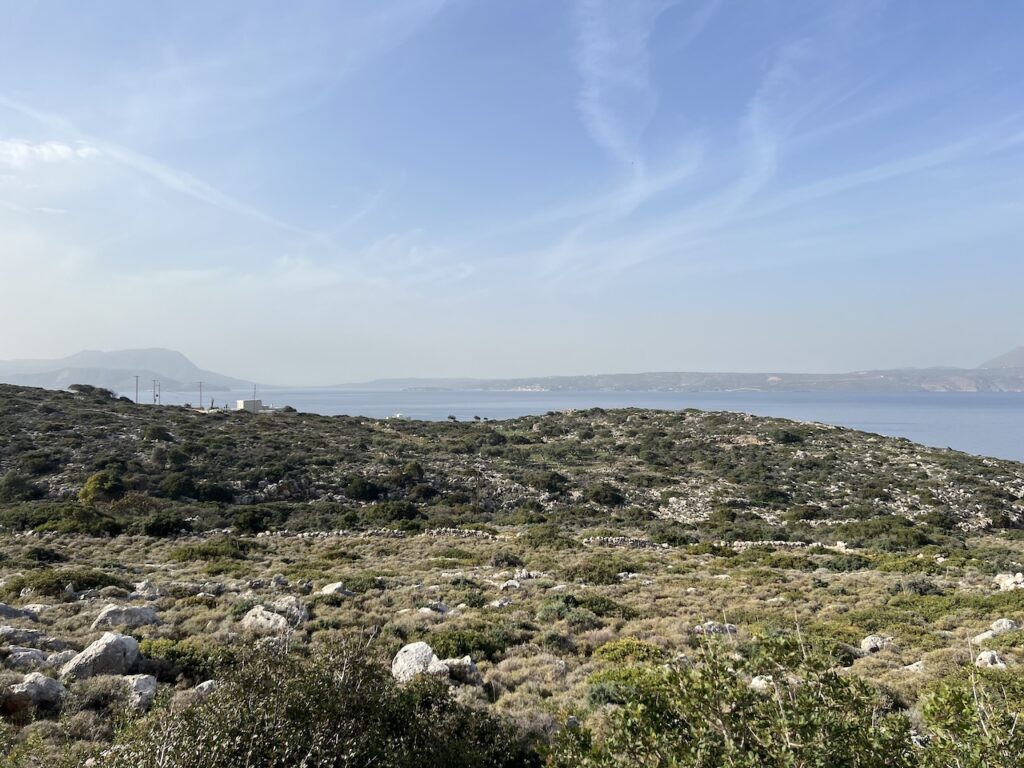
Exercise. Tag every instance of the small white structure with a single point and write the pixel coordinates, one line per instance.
(252, 406)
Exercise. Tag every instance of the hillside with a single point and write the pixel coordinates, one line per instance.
(117, 370)
(1014, 359)
(528, 583)
(772, 473)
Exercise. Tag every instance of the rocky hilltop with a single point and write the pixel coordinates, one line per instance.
(687, 467)
(497, 593)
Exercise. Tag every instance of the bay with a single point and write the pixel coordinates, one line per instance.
(989, 424)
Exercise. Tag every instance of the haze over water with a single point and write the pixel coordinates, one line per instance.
(989, 424)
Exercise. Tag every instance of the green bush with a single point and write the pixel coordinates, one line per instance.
(102, 486)
(331, 709)
(707, 715)
(974, 719)
(51, 581)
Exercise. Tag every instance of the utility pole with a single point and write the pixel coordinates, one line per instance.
(200, 395)
(154, 391)
(254, 408)
(136, 390)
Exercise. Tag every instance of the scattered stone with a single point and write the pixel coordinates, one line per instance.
(112, 654)
(511, 584)
(263, 622)
(524, 575)
(435, 609)
(417, 659)
(114, 615)
(144, 590)
(336, 588)
(998, 627)
(60, 658)
(917, 666)
(503, 602)
(875, 643)
(291, 608)
(1007, 581)
(279, 581)
(33, 638)
(205, 688)
(10, 612)
(25, 658)
(35, 690)
(762, 683)
(989, 659)
(141, 692)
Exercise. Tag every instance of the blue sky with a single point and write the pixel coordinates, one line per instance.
(325, 192)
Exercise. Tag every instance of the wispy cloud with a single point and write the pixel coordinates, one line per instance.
(174, 179)
(617, 98)
(17, 153)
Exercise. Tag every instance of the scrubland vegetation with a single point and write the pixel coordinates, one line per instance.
(633, 588)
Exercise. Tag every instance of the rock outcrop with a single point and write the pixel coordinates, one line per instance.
(112, 654)
(260, 621)
(417, 659)
(35, 690)
(114, 615)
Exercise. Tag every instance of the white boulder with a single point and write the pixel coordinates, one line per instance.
(417, 659)
(141, 692)
(112, 654)
(35, 690)
(114, 615)
(1007, 581)
(875, 643)
(291, 608)
(335, 588)
(260, 621)
(989, 659)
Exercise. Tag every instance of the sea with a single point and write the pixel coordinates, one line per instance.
(988, 424)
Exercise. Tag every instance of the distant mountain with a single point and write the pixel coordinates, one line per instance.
(1004, 374)
(117, 371)
(1012, 359)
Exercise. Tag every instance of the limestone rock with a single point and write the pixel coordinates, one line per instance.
(10, 612)
(35, 690)
(291, 608)
(762, 683)
(25, 658)
(141, 692)
(263, 622)
(1007, 581)
(33, 638)
(989, 659)
(875, 643)
(112, 654)
(714, 628)
(145, 590)
(998, 627)
(114, 615)
(205, 688)
(335, 588)
(416, 659)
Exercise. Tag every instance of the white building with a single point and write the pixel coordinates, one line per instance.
(253, 406)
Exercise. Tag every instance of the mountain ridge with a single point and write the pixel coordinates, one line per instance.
(117, 370)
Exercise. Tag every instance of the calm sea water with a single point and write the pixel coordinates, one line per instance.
(980, 423)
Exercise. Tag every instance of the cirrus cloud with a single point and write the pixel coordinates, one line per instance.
(17, 153)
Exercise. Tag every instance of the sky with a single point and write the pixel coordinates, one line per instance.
(324, 192)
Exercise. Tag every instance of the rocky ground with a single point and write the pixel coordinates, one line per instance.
(519, 561)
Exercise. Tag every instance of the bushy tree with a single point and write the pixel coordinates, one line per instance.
(706, 714)
(332, 708)
(105, 485)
